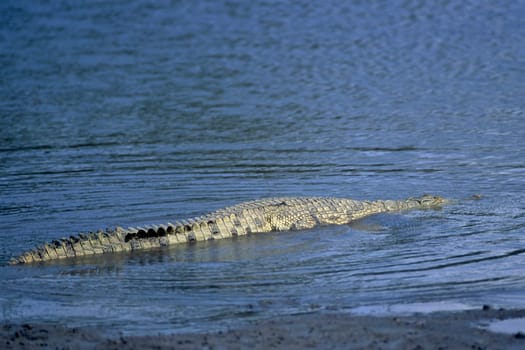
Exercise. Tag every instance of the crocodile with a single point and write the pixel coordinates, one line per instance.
(257, 216)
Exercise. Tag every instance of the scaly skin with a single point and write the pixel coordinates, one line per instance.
(265, 215)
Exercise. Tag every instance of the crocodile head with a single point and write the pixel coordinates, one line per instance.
(431, 201)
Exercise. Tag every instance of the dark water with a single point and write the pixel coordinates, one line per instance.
(142, 112)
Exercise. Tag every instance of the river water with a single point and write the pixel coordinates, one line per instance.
(140, 112)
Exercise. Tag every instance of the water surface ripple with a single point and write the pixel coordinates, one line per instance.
(139, 113)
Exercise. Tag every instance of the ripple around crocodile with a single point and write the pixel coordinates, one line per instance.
(264, 215)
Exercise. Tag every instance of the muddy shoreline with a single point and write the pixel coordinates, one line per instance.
(437, 330)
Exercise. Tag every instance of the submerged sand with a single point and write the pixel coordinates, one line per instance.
(437, 330)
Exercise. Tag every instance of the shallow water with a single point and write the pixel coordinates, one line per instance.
(144, 113)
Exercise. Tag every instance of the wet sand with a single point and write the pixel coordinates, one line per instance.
(438, 330)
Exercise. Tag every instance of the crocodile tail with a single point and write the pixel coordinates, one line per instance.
(118, 240)
(76, 246)
(100, 242)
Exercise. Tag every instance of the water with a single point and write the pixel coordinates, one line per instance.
(138, 113)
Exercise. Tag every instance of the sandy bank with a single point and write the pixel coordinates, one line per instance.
(439, 330)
